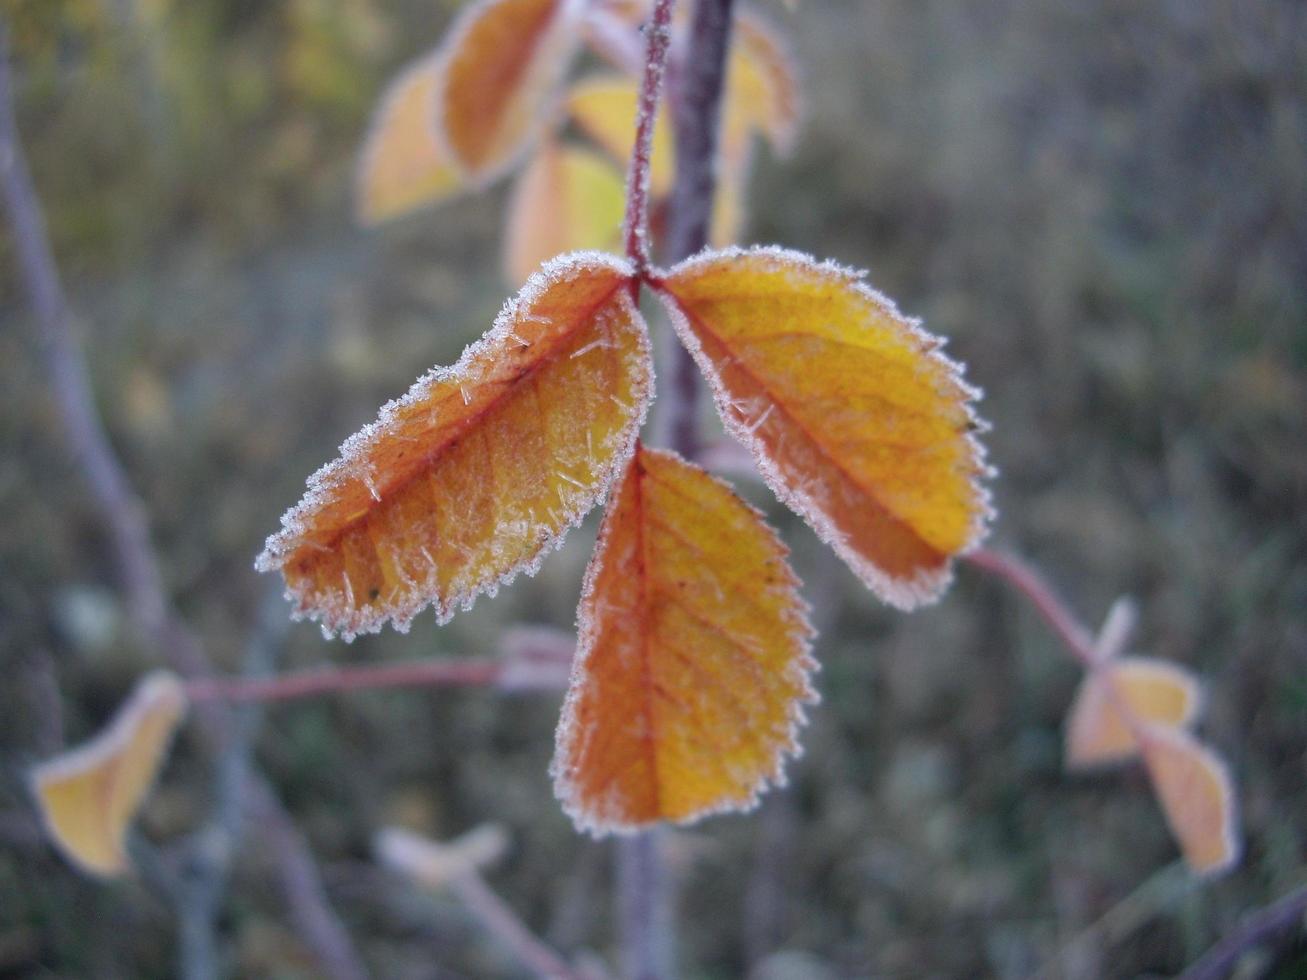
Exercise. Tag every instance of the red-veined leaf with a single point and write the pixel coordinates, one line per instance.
(856, 420)
(473, 474)
(503, 64)
(692, 665)
(1153, 691)
(1197, 797)
(568, 199)
(403, 165)
(89, 795)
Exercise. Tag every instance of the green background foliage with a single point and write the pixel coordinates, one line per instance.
(1104, 206)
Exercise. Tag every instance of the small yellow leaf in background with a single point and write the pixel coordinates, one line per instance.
(761, 93)
(604, 107)
(728, 212)
(504, 62)
(89, 795)
(856, 420)
(1153, 691)
(481, 467)
(1197, 797)
(567, 200)
(403, 165)
(692, 665)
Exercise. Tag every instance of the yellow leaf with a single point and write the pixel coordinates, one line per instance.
(481, 467)
(89, 795)
(604, 107)
(1197, 797)
(762, 90)
(402, 165)
(728, 213)
(505, 60)
(1153, 691)
(692, 666)
(567, 199)
(855, 419)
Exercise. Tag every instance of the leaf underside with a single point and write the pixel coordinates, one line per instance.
(1153, 691)
(1197, 797)
(692, 666)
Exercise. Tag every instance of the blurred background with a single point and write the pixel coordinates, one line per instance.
(1102, 205)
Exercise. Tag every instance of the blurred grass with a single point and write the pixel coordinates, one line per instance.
(1104, 206)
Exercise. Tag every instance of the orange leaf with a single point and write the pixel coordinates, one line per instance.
(854, 417)
(762, 90)
(1153, 691)
(402, 165)
(505, 61)
(1197, 797)
(89, 795)
(692, 665)
(473, 474)
(604, 107)
(567, 199)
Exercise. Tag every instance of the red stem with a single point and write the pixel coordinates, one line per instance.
(1078, 640)
(658, 35)
(330, 680)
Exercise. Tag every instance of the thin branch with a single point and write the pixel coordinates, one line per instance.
(658, 38)
(643, 908)
(466, 672)
(1260, 927)
(499, 919)
(124, 518)
(1073, 634)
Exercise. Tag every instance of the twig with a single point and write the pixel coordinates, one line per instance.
(498, 918)
(1076, 637)
(658, 37)
(643, 908)
(1259, 927)
(124, 519)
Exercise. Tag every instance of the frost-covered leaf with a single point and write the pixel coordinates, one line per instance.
(403, 165)
(89, 795)
(604, 107)
(1153, 691)
(480, 467)
(568, 199)
(762, 90)
(692, 666)
(856, 420)
(504, 60)
(1197, 797)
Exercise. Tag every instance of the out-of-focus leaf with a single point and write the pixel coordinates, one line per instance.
(1153, 691)
(88, 796)
(1197, 797)
(403, 165)
(604, 107)
(434, 863)
(692, 666)
(728, 210)
(472, 475)
(856, 420)
(568, 199)
(504, 60)
(762, 90)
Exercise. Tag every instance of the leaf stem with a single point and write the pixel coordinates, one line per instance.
(658, 37)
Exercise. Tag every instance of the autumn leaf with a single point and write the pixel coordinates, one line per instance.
(604, 107)
(480, 467)
(1197, 797)
(505, 60)
(403, 165)
(761, 92)
(1152, 691)
(855, 419)
(568, 199)
(692, 666)
(88, 796)
(728, 213)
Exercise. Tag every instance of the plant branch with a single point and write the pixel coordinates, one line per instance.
(499, 919)
(658, 37)
(1073, 634)
(1259, 927)
(124, 519)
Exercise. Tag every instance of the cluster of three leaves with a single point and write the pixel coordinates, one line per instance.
(693, 663)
